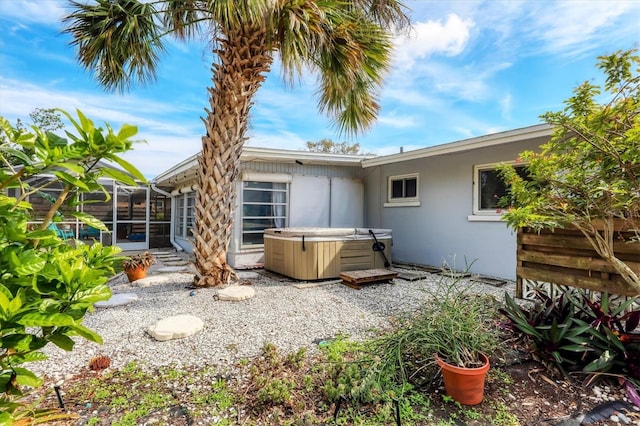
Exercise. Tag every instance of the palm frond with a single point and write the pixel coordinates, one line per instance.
(296, 29)
(183, 16)
(353, 63)
(229, 14)
(386, 13)
(119, 41)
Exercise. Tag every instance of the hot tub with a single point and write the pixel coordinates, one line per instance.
(322, 253)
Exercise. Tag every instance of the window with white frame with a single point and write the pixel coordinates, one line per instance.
(402, 190)
(190, 214)
(489, 190)
(264, 205)
(179, 225)
(184, 216)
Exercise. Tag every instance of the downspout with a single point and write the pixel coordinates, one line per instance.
(330, 196)
(172, 239)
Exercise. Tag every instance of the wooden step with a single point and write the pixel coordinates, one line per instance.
(355, 279)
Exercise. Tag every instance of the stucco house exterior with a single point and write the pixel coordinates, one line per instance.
(439, 202)
(275, 189)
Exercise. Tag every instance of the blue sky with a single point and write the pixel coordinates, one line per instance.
(467, 68)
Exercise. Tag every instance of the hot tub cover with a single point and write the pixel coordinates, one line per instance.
(327, 233)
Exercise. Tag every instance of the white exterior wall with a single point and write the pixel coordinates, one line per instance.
(319, 196)
(439, 230)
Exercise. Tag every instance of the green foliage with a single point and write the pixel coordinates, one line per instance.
(12, 412)
(588, 174)
(553, 324)
(275, 391)
(578, 334)
(453, 323)
(142, 260)
(47, 285)
(47, 119)
(119, 392)
(329, 146)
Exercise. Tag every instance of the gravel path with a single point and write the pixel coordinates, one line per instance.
(280, 313)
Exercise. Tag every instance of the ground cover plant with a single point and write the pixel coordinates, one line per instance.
(583, 335)
(386, 380)
(340, 385)
(48, 285)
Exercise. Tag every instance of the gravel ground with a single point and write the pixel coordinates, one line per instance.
(280, 313)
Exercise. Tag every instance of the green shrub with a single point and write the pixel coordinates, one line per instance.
(48, 285)
(578, 334)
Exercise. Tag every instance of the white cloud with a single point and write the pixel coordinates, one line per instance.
(48, 12)
(575, 28)
(464, 132)
(506, 104)
(411, 95)
(398, 122)
(21, 98)
(432, 37)
(433, 84)
(169, 138)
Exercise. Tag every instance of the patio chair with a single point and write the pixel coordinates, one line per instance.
(89, 232)
(62, 233)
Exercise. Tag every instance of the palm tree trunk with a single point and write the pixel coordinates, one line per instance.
(243, 58)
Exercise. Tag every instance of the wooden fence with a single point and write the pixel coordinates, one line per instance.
(565, 257)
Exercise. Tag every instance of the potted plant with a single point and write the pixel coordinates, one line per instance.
(452, 331)
(461, 334)
(136, 266)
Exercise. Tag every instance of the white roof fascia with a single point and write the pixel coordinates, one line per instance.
(250, 153)
(531, 132)
(181, 167)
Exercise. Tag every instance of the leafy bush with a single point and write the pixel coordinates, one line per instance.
(588, 175)
(578, 334)
(48, 285)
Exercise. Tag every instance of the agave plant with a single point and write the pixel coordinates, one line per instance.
(142, 260)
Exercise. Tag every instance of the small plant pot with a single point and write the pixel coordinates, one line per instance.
(465, 385)
(136, 274)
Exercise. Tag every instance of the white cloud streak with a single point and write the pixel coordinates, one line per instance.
(432, 38)
(572, 28)
(46, 12)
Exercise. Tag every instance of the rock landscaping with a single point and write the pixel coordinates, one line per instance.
(278, 330)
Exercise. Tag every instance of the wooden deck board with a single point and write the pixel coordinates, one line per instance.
(367, 276)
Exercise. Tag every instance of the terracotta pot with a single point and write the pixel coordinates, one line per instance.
(136, 274)
(465, 385)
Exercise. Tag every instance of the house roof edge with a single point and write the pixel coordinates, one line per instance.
(483, 141)
(251, 153)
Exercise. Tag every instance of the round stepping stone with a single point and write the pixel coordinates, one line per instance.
(175, 327)
(117, 299)
(169, 278)
(173, 269)
(236, 293)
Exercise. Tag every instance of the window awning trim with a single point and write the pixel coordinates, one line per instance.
(251, 176)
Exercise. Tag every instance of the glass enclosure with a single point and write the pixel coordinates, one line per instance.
(127, 208)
